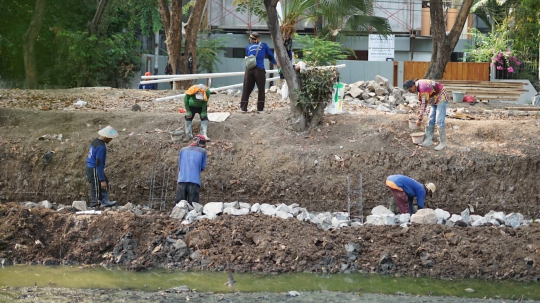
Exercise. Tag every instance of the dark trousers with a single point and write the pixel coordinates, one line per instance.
(187, 191)
(403, 202)
(195, 110)
(251, 77)
(96, 191)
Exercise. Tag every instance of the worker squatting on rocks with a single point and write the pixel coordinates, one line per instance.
(196, 102)
(95, 168)
(432, 93)
(404, 189)
(191, 162)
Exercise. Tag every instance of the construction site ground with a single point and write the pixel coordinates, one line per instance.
(491, 163)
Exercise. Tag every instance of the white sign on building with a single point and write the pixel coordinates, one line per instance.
(381, 48)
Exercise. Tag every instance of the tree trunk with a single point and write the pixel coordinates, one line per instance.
(298, 118)
(98, 16)
(172, 23)
(443, 45)
(191, 28)
(29, 38)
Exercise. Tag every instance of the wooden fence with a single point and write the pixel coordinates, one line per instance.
(454, 70)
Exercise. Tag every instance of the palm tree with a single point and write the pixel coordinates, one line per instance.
(493, 12)
(332, 15)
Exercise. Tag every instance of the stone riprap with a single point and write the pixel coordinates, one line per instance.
(380, 215)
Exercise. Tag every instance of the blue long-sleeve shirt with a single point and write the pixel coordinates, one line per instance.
(265, 51)
(96, 157)
(411, 187)
(191, 161)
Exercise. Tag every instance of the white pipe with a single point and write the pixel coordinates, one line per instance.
(212, 90)
(169, 78)
(212, 75)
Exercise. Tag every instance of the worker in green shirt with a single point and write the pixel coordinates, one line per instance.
(196, 102)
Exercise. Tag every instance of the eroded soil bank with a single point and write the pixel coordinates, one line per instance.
(491, 163)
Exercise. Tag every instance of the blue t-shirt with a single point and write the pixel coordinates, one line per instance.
(152, 86)
(96, 157)
(191, 161)
(411, 187)
(265, 51)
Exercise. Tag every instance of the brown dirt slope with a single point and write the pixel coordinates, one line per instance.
(491, 164)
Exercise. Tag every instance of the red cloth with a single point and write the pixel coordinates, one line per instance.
(468, 99)
(401, 199)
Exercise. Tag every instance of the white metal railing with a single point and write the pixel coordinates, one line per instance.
(169, 78)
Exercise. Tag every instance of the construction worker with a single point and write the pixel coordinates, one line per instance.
(431, 93)
(256, 75)
(151, 86)
(405, 189)
(191, 162)
(95, 168)
(196, 102)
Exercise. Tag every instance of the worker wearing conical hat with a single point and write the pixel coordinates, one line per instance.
(95, 168)
(405, 189)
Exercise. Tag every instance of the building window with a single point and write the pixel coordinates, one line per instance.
(238, 52)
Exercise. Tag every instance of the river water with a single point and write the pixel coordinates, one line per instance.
(81, 279)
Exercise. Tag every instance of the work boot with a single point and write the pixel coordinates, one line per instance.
(442, 138)
(204, 129)
(105, 200)
(428, 141)
(188, 135)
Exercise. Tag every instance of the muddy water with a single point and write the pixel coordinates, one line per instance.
(74, 277)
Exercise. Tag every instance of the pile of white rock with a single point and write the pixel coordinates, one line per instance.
(380, 215)
(380, 95)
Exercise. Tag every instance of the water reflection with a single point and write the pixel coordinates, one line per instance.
(161, 279)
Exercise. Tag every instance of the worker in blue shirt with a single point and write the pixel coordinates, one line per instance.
(95, 168)
(405, 189)
(256, 75)
(151, 86)
(191, 162)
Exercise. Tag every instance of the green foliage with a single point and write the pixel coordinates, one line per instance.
(207, 53)
(487, 46)
(320, 51)
(317, 84)
(525, 26)
(84, 60)
(255, 7)
(187, 7)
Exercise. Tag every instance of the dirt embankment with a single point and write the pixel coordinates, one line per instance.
(491, 164)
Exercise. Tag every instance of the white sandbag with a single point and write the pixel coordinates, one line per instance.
(284, 91)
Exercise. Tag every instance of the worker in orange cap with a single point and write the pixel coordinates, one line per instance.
(151, 86)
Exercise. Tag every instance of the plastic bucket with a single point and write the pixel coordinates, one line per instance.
(417, 138)
(458, 96)
(412, 124)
